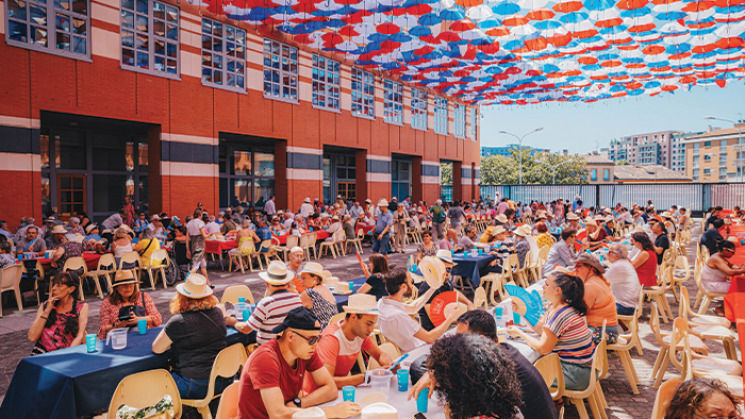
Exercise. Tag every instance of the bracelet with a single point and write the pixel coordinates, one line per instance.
(45, 318)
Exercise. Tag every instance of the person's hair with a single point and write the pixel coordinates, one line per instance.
(358, 315)
(620, 250)
(683, 209)
(146, 234)
(541, 228)
(566, 234)
(379, 264)
(246, 224)
(427, 232)
(32, 227)
(480, 322)
(509, 212)
(469, 229)
(474, 377)
(718, 223)
(197, 213)
(643, 239)
(725, 244)
(180, 303)
(181, 229)
(718, 208)
(572, 291)
(5, 245)
(117, 298)
(71, 279)
(394, 279)
(691, 394)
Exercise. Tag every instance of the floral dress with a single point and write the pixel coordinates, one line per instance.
(59, 332)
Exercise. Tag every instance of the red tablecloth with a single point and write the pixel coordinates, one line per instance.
(218, 246)
(321, 235)
(91, 260)
(734, 301)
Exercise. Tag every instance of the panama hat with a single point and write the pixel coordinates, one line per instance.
(572, 216)
(195, 287)
(59, 229)
(590, 222)
(590, 260)
(523, 231)
(445, 256)
(124, 278)
(276, 274)
(433, 270)
(666, 214)
(91, 227)
(498, 230)
(383, 203)
(306, 200)
(316, 269)
(501, 218)
(361, 304)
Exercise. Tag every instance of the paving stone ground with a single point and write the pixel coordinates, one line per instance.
(14, 344)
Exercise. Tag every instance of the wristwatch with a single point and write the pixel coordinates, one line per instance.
(297, 402)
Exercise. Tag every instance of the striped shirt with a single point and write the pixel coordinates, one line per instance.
(575, 339)
(270, 312)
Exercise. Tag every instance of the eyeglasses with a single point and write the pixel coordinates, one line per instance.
(717, 417)
(448, 270)
(311, 341)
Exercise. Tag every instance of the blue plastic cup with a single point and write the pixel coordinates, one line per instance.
(142, 326)
(403, 379)
(246, 314)
(452, 252)
(347, 393)
(422, 400)
(413, 267)
(481, 251)
(90, 342)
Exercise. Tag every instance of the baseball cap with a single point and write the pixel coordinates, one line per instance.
(300, 318)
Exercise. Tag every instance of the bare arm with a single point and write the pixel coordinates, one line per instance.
(432, 335)
(640, 259)
(34, 332)
(306, 301)
(544, 345)
(723, 266)
(162, 342)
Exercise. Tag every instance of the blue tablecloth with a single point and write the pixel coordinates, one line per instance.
(471, 266)
(341, 300)
(71, 382)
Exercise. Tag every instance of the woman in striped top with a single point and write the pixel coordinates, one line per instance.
(564, 329)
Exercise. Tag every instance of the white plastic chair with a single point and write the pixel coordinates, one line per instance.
(10, 280)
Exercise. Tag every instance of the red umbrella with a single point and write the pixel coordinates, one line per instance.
(388, 28)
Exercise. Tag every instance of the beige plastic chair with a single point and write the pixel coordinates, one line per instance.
(131, 258)
(698, 365)
(227, 363)
(663, 340)
(160, 255)
(632, 323)
(657, 294)
(593, 393)
(479, 298)
(698, 320)
(233, 292)
(246, 250)
(10, 280)
(681, 274)
(622, 348)
(356, 241)
(106, 268)
(664, 397)
(268, 254)
(706, 296)
(75, 264)
(336, 243)
(549, 367)
(523, 272)
(308, 242)
(388, 348)
(228, 407)
(145, 389)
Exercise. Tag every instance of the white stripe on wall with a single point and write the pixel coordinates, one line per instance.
(376, 157)
(304, 150)
(431, 180)
(379, 177)
(183, 138)
(18, 162)
(168, 168)
(305, 174)
(14, 121)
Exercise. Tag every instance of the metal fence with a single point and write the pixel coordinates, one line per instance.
(696, 197)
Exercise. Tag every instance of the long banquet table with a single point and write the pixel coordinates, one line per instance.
(734, 301)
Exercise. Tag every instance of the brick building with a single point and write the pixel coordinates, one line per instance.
(167, 104)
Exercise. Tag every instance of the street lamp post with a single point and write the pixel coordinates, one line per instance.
(520, 142)
(740, 147)
(553, 168)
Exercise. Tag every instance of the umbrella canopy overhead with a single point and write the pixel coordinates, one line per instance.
(519, 51)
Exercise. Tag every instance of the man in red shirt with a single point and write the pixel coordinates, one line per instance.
(341, 343)
(273, 376)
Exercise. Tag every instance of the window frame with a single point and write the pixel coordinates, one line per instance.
(51, 28)
(419, 114)
(281, 71)
(392, 102)
(441, 119)
(474, 123)
(316, 59)
(594, 175)
(361, 77)
(224, 55)
(151, 40)
(459, 120)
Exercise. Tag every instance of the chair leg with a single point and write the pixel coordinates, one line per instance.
(661, 372)
(581, 408)
(629, 368)
(150, 277)
(595, 405)
(663, 311)
(658, 362)
(19, 300)
(699, 296)
(162, 272)
(98, 286)
(704, 305)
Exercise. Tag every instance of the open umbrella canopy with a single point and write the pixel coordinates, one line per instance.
(519, 51)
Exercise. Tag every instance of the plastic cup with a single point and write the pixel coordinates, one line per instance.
(422, 400)
(403, 379)
(452, 252)
(348, 393)
(90, 342)
(413, 267)
(142, 326)
(246, 314)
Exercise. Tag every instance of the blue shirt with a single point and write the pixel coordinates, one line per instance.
(384, 219)
(264, 233)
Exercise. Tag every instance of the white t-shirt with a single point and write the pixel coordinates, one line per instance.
(624, 283)
(193, 227)
(212, 228)
(397, 325)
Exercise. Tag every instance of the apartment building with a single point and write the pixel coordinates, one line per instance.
(717, 155)
(507, 150)
(653, 148)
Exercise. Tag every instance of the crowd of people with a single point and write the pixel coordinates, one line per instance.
(302, 352)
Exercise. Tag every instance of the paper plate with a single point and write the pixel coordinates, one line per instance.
(437, 307)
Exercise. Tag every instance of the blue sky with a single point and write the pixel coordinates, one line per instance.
(577, 126)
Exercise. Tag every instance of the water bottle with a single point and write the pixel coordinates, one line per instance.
(498, 317)
(408, 263)
(239, 307)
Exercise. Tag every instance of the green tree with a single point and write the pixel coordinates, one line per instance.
(446, 174)
(505, 169)
(622, 162)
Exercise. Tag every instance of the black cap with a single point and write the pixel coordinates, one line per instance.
(300, 318)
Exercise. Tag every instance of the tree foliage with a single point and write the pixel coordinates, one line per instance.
(446, 174)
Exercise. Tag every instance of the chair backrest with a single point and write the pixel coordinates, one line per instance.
(160, 255)
(543, 254)
(360, 234)
(130, 258)
(233, 292)
(340, 236)
(227, 363)
(266, 245)
(654, 323)
(664, 397)
(550, 368)
(247, 246)
(292, 241)
(388, 348)
(680, 329)
(106, 261)
(306, 240)
(479, 298)
(145, 389)
(684, 308)
(10, 276)
(75, 263)
(228, 407)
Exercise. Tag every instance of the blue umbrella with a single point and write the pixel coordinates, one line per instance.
(670, 15)
(451, 14)
(543, 25)
(506, 8)
(678, 49)
(642, 11)
(420, 31)
(599, 4)
(574, 17)
(430, 19)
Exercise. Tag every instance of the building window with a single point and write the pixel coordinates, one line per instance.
(459, 115)
(707, 157)
(363, 93)
(474, 123)
(707, 171)
(246, 173)
(441, 115)
(606, 174)
(695, 175)
(280, 71)
(695, 161)
(59, 27)
(223, 55)
(594, 175)
(393, 102)
(150, 37)
(419, 109)
(326, 83)
(707, 144)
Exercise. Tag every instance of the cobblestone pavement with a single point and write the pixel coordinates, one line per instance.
(14, 344)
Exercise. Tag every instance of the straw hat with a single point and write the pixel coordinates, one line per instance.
(383, 203)
(542, 215)
(498, 230)
(90, 227)
(666, 214)
(501, 218)
(445, 256)
(590, 222)
(194, 287)
(523, 231)
(590, 260)
(572, 216)
(59, 229)
(433, 270)
(361, 304)
(306, 200)
(123, 278)
(316, 269)
(309, 413)
(276, 274)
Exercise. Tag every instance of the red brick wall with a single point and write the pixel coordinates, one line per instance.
(21, 196)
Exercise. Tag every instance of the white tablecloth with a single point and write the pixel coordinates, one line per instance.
(406, 408)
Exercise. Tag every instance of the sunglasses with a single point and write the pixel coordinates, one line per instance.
(311, 341)
(448, 270)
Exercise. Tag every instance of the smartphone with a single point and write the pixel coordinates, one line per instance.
(419, 415)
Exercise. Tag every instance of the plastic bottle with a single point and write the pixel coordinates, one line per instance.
(408, 263)
(499, 318)
(239, 307)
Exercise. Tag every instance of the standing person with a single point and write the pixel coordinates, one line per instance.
(456, 215)
(60, 321)
(306, 208)
(400, 219)
(439, 216)
(195, 245)
(382, 236)
(126, 300)
(114, 220)
(316, 297)
(269, 208)
(129, 212)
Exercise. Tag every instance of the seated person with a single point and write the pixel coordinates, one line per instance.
(342, 342)
(146, 246)
(92, 236)
(61, 320)
(596, 236)
(562, 253)
(601, 305)
(717, 270)
(543, 238)
(273, 376)
(126, 305)
(447, 259)
(466, 242)
(195, 335)
(624, 281)
(31, 242)
(502, 246)
(65, 249)
(703, 398)
(316, 296)
(427, 248)
(374, 284)
(6, 255)
(717, 233)
(449, 241)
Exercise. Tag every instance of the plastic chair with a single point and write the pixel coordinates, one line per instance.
(479, 298)
(622, 348)
(697, 365)
(233, 292)
(356, 241)
(160, 255)
(593, 392)
(663, 340)
(131, 258)
(657, 294)
(145, 389)
(10, 280)
(681, 266)
(228, 407)
(267, 244)
(308, 242)
(549, 367)
(75, 264)
(106, 267)
(633, 324)
(706, 296)
(664, 397)
(698, 320)
(227, 363)
(388, 348)
(247, 250)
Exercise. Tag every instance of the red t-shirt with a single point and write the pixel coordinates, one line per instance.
(267, 368)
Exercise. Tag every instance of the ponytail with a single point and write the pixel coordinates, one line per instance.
(572, 291)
